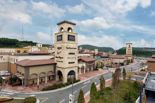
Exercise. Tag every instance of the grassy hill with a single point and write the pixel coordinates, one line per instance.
(137, 51)
(101, 49)
(14, 43)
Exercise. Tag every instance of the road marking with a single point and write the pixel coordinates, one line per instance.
(44, 99)
(62, 101)
(84, 86)
(75, 92)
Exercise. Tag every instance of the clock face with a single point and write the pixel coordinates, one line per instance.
(71, 37)
(59, 38)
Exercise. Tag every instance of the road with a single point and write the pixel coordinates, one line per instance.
(133, 67)
(62, 95)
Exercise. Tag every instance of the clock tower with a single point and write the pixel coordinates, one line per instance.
(129, 49)
(66, 51)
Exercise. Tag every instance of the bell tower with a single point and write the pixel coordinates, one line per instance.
(66, 51)
(129, 49)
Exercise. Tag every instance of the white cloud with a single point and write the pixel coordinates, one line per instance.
(77, 9)
(102, 23)
(141, 43)
(95, 23)
(102, 40)
(44, 36)
(115, 8)
(52, 10)
(111, 41)
(14, 10)
(145, 3)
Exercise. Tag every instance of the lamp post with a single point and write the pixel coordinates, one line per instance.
(141, 93)
(71, 96)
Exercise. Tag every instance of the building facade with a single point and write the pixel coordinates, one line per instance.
(35, 72)
(66, 51)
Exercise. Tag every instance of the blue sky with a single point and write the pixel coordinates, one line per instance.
(99, 22)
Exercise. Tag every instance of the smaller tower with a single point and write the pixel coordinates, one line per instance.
(128, 48)
(96, 51)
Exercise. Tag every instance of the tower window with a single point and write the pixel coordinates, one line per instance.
(71, 38)
(71, 53)
(71, 62)
(70, 29)
(59, 38)
(61, 29)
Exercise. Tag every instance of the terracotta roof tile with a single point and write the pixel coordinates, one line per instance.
(151, 60)
(38, 53)
(28, 63)
(86, 59)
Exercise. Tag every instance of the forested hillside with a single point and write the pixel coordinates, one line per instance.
(137, 51)
(14, 43)
(101, 49)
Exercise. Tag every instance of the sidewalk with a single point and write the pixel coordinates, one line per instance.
(91, 74)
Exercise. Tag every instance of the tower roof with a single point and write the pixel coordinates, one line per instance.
(65, 21)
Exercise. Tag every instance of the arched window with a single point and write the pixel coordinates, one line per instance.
(61, 29)
(129, 46)
(69, 29)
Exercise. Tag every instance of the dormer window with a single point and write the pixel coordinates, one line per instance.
(69, 29)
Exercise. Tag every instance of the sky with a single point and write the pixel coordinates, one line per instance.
(104, 23)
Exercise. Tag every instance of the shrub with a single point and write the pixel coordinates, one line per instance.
(124, 74)
(58, 85)
(102, 83)
(30, 100)
(93, 92)
(81, 97)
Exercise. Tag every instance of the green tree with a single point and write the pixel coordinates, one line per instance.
(93, 92)
(115, 78)
(124, 74)
(102, 65)
(81, 97)
(102, 83)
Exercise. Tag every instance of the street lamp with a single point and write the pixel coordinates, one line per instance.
(71, 96)
(141, 93)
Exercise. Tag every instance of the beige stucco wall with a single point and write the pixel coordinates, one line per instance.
(20, 69)
(66, 71)
(3, 65)
(40, 69)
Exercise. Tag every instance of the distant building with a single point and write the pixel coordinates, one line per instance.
(128, 48)
(86, 64)
(151, 64)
